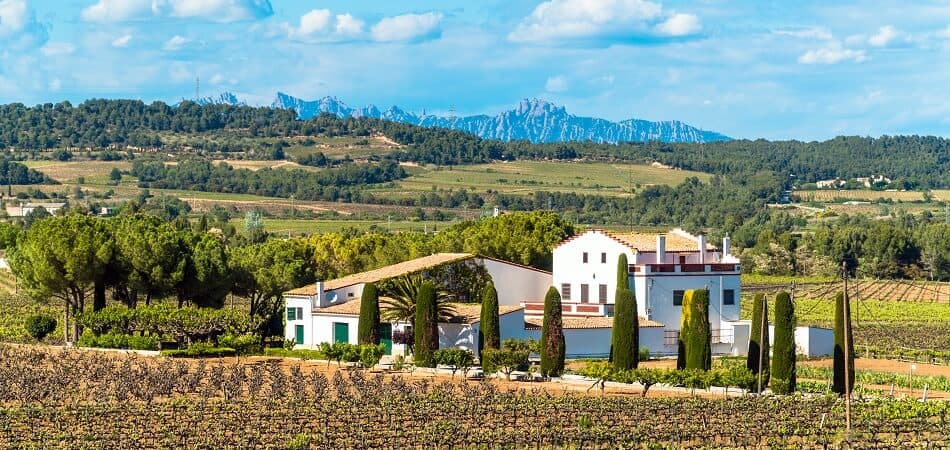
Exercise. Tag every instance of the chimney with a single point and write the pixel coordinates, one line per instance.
(726, 246)
(702, 248)
(660, 248)
(318, 295)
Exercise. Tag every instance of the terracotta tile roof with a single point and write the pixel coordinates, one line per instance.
(383, 273)
(677, 240)
(464, 312)
(577, 323)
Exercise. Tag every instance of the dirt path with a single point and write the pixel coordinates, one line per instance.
(887, 365)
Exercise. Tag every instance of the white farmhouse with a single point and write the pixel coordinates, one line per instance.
(329, 311)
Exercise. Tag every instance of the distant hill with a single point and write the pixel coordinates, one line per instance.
(534, 120)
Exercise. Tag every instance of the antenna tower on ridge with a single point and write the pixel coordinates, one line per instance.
(197, 88)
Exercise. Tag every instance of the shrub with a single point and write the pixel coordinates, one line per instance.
(200, 350)
(489, 332)
(245, 344)
(759, 341)
(838, 384)
(368, 325)
(783, 355)
(506, 361)
(371, 354)
(143, 342)
(644, 354)
(39, 326)
(301, 353)
(552, 336)
(457, 358)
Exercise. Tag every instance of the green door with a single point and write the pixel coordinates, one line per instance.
(298, 333)
(386, 336)
(341, 332)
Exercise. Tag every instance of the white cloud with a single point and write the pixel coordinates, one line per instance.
(321, 25)
(621, 20)
(556, 84)
(807, 33)
(407, 28)
(224, 11)
(57, 48)
(885, 35)
(944, 33)
(680, 25)
(833, 53)
(19, 27)
(122, 41)
(175, 43)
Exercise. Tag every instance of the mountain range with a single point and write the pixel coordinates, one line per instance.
(533, 119)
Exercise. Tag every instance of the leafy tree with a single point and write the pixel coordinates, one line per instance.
(207, 277)
(758, 354)
(150, 256)
(625, 343)
(552, 336)
(783, 355)
(934, 242)
(254, 226)
(505, 360)
(368, 332)
(696, 320)
(838, 384)
(457, 358)
(62, 258)
(115, 175)
(489, 332)
(262, 272)
(426, 326)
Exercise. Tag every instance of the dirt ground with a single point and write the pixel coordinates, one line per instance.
(887, 365)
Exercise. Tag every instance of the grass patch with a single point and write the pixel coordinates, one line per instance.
(301, 353)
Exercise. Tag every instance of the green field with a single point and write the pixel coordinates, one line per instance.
(310, 226)
(525, 177)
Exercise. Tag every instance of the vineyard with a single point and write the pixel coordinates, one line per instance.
(863, 289)
(76, 399)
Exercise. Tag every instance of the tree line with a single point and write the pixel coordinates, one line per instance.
(913, 161)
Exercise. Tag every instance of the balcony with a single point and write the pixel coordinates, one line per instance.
(682, 268)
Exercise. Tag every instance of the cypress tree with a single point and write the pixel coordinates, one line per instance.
(838, 384)
(425, 342)
(757, 347)
(368, 326)
(697, 342)
(552, 336)
(626, 327)
(783, 355)
(683, 337)
(489, 332)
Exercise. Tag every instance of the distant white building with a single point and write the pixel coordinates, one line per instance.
(830, 184)
(23, 209)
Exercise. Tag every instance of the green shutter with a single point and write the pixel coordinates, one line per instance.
(298, 334)
(291, 313)
(341, 332)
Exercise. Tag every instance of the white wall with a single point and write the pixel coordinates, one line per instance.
(323, 327)
(303, 302)
(809, 341)
(658, 291)
(457, 335)
(570, 268)
(516, 284)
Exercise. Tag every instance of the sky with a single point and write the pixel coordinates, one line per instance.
(806, 70)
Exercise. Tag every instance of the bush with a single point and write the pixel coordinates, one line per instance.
(371, 354)
(39, 326)
(504, 360)
(245, 344)
(118, 341)
(200, 350)
(301, 353)
(644, 354)
(457, 358)
(185, 325)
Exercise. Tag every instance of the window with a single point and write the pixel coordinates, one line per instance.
(565, 291)
(682, 259)
(678, 298)
(603, 258)
(294, 313)
(603, 293)
(585, 257)
(728, 297)
(585, 293)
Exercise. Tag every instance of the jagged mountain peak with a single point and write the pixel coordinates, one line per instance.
(532, 119)
(224, 98)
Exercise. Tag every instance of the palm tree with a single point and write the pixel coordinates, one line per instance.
(400, 304)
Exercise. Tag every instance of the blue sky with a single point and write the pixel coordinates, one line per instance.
(770, 69)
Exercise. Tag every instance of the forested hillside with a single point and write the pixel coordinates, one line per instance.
(914, 161)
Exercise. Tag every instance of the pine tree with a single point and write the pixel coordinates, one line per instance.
(368, 329)
(759, 340)
(626, 328)
(783, 354)
(489, 332)
(552, 336)
(426, 341)
(838, 386)
(697, 343)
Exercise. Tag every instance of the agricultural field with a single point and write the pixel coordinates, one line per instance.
(94, 172)
(310, 226)
(93, 400)
(525, 177)
(829, 195)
